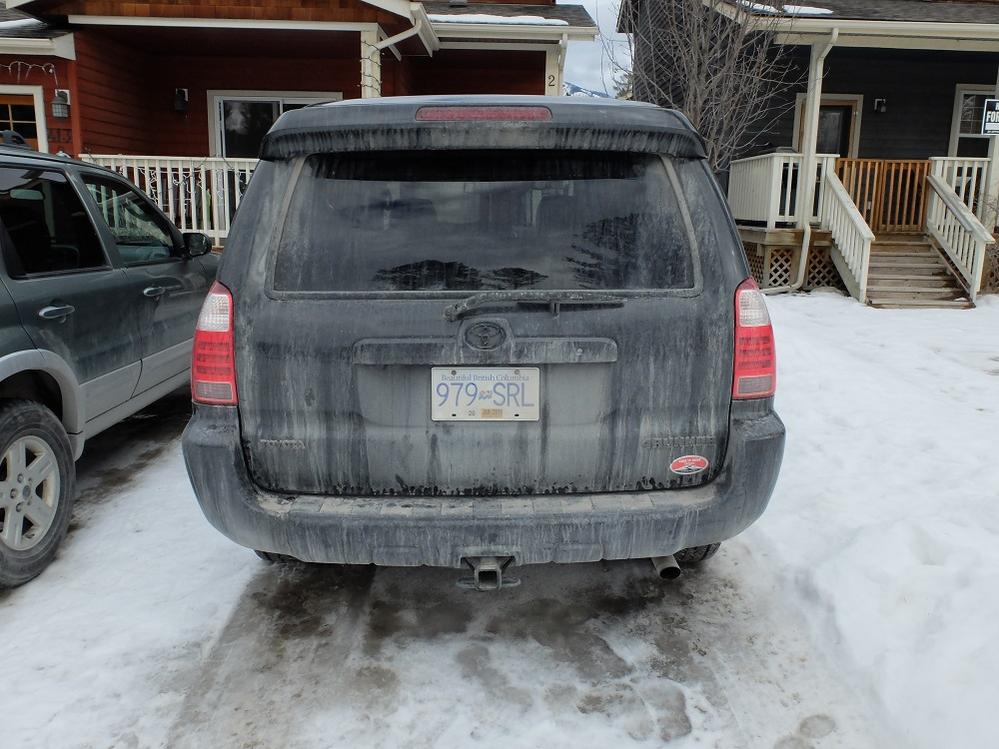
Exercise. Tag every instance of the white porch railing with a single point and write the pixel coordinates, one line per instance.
(850, 232)
(960, 234)
(198, 194)
(764, 189)
(968, 178)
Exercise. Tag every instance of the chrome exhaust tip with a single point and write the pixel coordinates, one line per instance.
(666, 567)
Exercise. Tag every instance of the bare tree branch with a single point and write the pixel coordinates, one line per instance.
(727, 75)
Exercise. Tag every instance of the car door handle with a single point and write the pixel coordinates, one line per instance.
(152, 292)
(56, 311)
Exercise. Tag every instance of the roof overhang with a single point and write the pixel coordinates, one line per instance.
(514, 31)
(935, 35)
(415, 13)
(397, 7)
(425, 29)
(220, 23)
(60, 46)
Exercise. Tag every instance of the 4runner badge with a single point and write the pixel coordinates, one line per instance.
(689, 464)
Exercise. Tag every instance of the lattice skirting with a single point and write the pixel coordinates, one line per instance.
(775, 266)
(990, 272)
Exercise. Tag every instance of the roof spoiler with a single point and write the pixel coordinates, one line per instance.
(288, 143)
(394, 124)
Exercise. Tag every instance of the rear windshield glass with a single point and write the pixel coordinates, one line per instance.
(449, 220)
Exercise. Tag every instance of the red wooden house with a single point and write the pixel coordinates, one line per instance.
(178, 93)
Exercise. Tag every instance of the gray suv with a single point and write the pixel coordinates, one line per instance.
(476, 332)
(99, 294)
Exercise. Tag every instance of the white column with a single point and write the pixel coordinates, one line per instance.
(371, 65)
(552, 87)
(555, 68)
(813, 101)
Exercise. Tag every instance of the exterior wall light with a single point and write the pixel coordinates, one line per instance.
(60, 104)
(880, 106)
(180, 99)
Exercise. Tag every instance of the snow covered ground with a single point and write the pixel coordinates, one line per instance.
(859, 612)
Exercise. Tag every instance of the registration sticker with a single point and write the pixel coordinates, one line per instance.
(485, 393)
(688, 465)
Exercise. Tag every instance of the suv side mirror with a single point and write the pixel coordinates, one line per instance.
(196, 243)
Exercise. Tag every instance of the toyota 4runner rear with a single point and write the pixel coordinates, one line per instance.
(483, 331)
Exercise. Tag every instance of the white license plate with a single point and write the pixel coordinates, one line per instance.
(485, 393)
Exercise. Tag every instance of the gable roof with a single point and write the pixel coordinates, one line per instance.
(932, 11)
(954, 25)
(500, 21)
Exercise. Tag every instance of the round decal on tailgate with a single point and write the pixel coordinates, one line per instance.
(689, 464)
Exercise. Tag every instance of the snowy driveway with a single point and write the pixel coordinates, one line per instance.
(859, 612)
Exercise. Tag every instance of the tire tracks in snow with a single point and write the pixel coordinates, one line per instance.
(578, 655)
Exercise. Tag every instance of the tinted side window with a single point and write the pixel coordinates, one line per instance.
(45, 226)
(140, 233)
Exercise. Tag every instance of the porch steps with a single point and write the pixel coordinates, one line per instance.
(908, 272)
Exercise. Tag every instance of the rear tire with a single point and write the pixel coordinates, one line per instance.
(696, 554)
(37, 489)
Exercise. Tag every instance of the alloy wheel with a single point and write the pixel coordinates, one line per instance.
(29, 492)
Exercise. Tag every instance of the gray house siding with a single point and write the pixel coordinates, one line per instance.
(919, 88)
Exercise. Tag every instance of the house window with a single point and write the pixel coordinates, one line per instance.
(242, 118)
(966, 137)
(17, 113)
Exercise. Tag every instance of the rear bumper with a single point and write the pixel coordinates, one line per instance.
(440, 531)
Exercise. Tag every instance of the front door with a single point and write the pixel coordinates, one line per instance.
(168, 287)
(835, 129)
(839, 122)
(70, 298)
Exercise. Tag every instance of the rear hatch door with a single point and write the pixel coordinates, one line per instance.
(486, 323)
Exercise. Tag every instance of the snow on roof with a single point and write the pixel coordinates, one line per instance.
(790, 10)
(498, 20)
(21, 23)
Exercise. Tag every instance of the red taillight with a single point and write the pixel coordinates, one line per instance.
(213, 364)
(755, 356)
(480, 114)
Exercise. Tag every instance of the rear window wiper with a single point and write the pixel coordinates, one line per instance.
(554, 300)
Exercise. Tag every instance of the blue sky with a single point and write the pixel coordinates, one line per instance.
(587, 64)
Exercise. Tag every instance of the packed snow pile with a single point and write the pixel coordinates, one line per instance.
(885, 523)
(498, 20)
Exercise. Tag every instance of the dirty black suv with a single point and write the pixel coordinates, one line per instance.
(99, 294)
(483, 331)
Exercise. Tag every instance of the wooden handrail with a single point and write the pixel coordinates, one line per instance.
(852, 237)
(958, 233)
(856, 217)
(964, 216)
